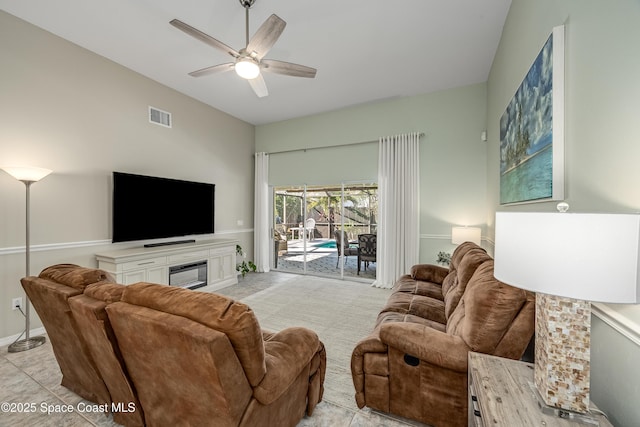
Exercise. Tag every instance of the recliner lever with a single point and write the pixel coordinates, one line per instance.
(411, 360)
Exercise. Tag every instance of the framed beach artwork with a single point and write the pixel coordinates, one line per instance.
(532, 131)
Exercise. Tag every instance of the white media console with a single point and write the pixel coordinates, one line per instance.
(207, 265)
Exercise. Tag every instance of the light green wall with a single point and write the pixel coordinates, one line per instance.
(325, 166)
(602, 137)
(452, 156)
(72, 111)
(602, 59)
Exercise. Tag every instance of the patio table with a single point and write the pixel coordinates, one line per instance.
(294, 230)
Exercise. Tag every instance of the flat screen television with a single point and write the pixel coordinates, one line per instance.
(148, 207)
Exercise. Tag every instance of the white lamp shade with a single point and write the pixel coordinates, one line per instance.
(465, 234)
(26, 173)
(247, 68)
(592, 257)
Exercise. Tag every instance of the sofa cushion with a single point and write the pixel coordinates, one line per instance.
(287, 354)
(410, 285)
(233, 318)
(416, 305)
(106, 292)
(428, 273)
(486, 310)
(75, 276)
(456, 282)
(410, 318)
(461, 251)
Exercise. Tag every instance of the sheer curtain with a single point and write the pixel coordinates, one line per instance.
(399, 207)
(261, 216)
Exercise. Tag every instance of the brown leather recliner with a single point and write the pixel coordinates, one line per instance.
(414, 363)
(93, 325)
(49, 293)
(201, 359)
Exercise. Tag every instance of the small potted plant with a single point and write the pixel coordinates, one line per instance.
(245, 266)
(444, 258)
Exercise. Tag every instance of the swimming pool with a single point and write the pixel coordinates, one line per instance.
(331, 244)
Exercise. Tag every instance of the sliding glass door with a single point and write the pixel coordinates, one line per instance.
(309, 221)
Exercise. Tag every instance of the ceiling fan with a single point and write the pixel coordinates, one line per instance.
(250, 61)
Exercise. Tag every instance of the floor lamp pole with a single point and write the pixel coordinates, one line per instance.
(27, 343)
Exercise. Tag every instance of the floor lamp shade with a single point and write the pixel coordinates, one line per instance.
(28, 175)
(569, 259)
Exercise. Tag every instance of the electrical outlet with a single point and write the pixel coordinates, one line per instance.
(16, 303)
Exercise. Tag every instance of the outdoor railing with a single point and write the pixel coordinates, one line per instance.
(326, 230)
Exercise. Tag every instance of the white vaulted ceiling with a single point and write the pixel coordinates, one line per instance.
(364, 51)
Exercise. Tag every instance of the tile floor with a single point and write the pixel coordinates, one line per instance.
(30, 384)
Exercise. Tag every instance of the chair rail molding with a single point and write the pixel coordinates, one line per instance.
(53, 246)
(72, 245)
(436, 236)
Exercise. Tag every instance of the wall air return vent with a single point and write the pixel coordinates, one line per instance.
(159, 117)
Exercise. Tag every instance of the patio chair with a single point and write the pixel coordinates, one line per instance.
(343, 248)
(310, 228)
(280, 236)
(281, 246)
(367, 244)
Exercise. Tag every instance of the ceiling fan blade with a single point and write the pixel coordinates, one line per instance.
(212, 70)
(259, 86)
(287, 68)
(266, 36)
(193, 32)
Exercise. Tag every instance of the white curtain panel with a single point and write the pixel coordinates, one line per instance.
(399, 208)
(261, 238)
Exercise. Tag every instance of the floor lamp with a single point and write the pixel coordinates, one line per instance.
(28, 175)
(569, 259)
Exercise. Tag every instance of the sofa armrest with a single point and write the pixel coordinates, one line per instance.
(286, 354)
(429, 273)
(427, 344)
(370, 344)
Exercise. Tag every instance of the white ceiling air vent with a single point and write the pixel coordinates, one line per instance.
(159, 117)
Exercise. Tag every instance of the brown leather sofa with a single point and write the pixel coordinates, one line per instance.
(161, 355)
(414, 363)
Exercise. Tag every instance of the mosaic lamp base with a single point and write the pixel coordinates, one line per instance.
(562, 359)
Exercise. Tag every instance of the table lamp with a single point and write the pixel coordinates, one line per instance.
(465, 234)
(569, 259)
(28, 175)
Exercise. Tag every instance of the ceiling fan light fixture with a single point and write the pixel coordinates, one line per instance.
(247, 68)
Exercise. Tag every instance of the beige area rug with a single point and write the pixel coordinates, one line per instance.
(341, 313)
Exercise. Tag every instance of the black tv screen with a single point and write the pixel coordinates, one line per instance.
(147, 207)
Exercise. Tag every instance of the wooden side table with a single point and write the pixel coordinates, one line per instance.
(501, 394)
